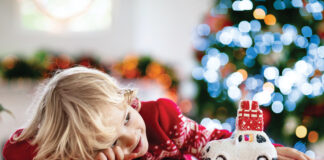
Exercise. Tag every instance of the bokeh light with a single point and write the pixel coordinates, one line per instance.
(244, 26)
(269, 87)
(310, 154)
(234, 93)
(255, 26)
(306, 31)
(210, 76)
(270, 19)
(290, 106)
(277, 107)
(259, 13)
(197, 73)
(271, 73)
(300, 146)
(297, 3)
(279, 5)
(301, 131)
(313, 136)
(244, 73)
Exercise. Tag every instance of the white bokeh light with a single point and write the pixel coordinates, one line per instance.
(306, 89)
(271, 73)
(277, 107)
(211, 76)
(213, 63)
(263, 97)
(234, 93)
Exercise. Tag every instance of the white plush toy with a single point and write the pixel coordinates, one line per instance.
(248, 142)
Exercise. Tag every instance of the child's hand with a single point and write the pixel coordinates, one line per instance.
(114, 153)
(286, 153)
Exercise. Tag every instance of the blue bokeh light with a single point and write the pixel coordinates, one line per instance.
(244, 26)
(223, 57)
(290, 106)
(277, 46)
(301, 41)
(203, 29)
(279, 5)
(251, 83)
(249, 62)
(197, 73)
(306, 31)
(277, 97)
(315, 39)
(200, 44)
(251, 53)
(320, 51)
(212, 51)
(297, 3)
(277, 107)
(255, 26)
(300, 146)
(317, 16)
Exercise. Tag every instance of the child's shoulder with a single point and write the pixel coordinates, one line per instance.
(24, 149)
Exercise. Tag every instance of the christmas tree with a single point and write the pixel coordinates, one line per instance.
(270, 51)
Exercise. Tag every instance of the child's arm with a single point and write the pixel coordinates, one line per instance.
(187, 135)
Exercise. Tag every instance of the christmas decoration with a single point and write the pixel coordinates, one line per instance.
(248, 141)
(147, 68)
(45, 63)
(272, 54)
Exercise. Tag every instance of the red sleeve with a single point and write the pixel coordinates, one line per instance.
(18, 150)
(188, 136)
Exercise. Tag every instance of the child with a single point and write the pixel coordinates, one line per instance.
(83, 114)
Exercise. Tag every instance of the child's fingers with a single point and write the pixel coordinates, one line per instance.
(101, 156)
(290, 153)
(109, 153)
(283, 158)
(118, 153)
(131, 156)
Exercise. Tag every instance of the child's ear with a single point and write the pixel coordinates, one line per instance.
(136, 104)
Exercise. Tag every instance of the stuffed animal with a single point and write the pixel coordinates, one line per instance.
(248, 142)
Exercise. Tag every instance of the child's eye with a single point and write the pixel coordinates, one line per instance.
(114, 144)
(127, 118)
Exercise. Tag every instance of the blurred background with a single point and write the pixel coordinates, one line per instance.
(205, 55)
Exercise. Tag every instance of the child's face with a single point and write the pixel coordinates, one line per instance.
(130, 128)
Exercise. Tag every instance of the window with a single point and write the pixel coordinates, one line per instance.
(65, 15)
(260, 139)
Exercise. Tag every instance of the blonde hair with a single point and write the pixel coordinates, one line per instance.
(69, 121)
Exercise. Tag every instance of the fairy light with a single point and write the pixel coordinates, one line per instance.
(313, 136)
(259, 13)
(301, 131)
(271, 73)
(154, 70)
(9, 62)
(244, 73)
(277, 107)
(269, 87)
(270, 19)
